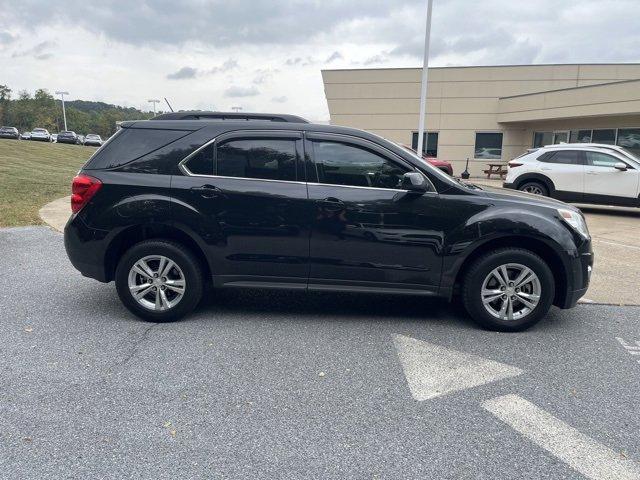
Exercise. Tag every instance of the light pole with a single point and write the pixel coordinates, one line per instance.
(425, 74)
(154, 101)
(64, 113)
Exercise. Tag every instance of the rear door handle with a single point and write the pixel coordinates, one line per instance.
(207, 191)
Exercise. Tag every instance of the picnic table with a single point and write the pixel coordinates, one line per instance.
(496, 169)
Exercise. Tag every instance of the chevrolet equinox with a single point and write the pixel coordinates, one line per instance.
(186, 201)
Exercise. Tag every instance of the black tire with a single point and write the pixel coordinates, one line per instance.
(482, 267)
(183, 258)
(535, 187)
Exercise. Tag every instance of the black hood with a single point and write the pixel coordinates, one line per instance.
(508, 195)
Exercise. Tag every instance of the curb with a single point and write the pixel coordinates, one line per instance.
(56, 213)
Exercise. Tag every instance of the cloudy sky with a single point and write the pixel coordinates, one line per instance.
(266, 55)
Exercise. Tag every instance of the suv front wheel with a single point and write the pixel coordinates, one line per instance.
(159, 280)
(509, 289)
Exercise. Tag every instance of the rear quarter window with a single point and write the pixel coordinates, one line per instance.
(129, 144)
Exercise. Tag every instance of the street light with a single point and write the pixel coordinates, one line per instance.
(425, 74)
(64, 113)
(154, 101)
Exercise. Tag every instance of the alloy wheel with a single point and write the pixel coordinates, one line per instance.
(535, 189)
(156, 282)
(510, 291)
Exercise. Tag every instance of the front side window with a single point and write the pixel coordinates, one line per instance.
(264, 158)
(568, 157)
(344, 164)
(597, 159)
(488, 145)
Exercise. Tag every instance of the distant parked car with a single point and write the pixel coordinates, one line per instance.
(443, 165)
(68, 137)
(579, 172)
(80, 139)
(9, 132)
(25, 136)
(93, 139)
(41, 135)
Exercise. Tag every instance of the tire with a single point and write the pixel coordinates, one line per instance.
(481, 271)
(535, 187)
(187, 268)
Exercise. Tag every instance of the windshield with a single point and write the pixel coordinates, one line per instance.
(39, 130)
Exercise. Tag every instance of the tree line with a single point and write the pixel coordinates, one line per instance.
(27, 111)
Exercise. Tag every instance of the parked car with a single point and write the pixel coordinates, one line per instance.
(170, 205)
(9, 132)
(580, 173)
(443, 165)
(68, 136)
(53, 138)
(25, 136)
(93, 139)
(80, 139)
(40, 134)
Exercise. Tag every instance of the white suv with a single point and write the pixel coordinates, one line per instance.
(578, 172)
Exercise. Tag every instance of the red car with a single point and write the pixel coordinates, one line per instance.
(443, 165)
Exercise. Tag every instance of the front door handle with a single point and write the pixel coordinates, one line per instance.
(207, 191)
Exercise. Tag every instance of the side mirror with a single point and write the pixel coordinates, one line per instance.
(414, 182)
(620, 166)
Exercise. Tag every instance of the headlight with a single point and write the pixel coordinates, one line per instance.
(575, 220)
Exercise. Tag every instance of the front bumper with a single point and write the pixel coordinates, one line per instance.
(579, 276)
(509, 185)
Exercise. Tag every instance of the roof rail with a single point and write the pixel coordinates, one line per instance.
(233, 116)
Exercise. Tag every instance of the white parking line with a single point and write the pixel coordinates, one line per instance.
(579, 451)
(617, 244)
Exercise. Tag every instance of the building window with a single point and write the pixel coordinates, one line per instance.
(580, 136)
(540, 139)
(488, 145)
(429, 144)
(607, 136)
(629, 138)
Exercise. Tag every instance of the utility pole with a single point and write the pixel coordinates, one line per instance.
(64, 113)
(154, 101)
(425, 75)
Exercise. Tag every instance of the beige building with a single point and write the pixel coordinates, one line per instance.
(491, 114)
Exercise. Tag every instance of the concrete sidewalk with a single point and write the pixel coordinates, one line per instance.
(616, 242)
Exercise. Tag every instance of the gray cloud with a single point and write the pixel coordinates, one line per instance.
(183, 74)
(39, 51)
(230, 64)
(280, 99)
(237, 91)
(6, 38)
(333, 57)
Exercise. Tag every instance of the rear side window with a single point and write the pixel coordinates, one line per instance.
(130, 144)
(201, 163)
(568, 157)
(268, 159)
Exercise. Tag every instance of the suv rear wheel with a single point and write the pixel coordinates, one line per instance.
(159, 280)
(509, 289)
(537, 188)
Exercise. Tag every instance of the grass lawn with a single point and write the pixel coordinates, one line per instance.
(33, 174)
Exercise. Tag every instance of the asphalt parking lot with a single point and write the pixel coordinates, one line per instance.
(289, 385)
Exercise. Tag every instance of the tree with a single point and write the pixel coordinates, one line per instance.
(5, 97)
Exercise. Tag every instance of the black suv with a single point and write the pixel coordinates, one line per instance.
(169, 205)
(68, 137)
(9, 132)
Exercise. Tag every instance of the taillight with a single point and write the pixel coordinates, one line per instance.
(513, 164)
(83, 189)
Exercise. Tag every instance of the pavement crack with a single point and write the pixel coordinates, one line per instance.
(133, 350)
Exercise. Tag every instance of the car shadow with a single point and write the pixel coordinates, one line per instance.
(333, 306)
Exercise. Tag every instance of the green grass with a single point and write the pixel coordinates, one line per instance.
(33, 174)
